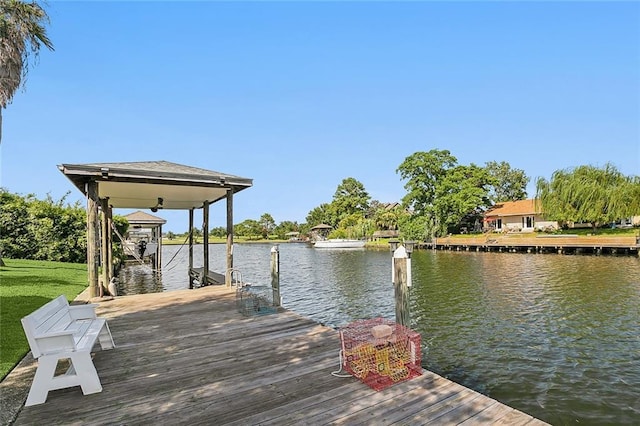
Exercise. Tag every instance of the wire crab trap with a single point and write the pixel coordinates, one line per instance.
(380, 352)
(252, 299)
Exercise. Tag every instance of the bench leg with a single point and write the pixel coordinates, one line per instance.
(42, 380)
(81, 373)
(86, 374)
(105, 338)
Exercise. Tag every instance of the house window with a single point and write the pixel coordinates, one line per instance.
(527, 222)
(499, 224)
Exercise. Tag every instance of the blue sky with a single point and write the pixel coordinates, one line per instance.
(300, 95)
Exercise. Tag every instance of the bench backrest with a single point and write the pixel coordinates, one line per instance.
(51, 317)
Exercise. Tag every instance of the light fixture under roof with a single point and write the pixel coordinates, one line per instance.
(158, 205)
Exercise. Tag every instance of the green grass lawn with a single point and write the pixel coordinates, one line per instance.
(25, 285)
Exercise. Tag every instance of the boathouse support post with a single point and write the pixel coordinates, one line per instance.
(93, 235)
(205, 242)
(227, 277)
(106, 244)
(110, 234)
(190, 247)
(401, 286)
(159, 249)
(275, 275)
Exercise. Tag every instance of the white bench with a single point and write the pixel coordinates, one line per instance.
(58, 331)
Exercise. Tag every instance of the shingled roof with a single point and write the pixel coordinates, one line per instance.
(142, 218)
(513, 208)
(144, 184)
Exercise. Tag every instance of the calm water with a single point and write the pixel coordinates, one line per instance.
(555, 336)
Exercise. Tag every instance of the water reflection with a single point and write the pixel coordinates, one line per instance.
(138, 279)
(555, 336)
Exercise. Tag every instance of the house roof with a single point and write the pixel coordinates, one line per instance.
(321, 226)
(513, 208)
(142, 218)
(143, 185)
(391, 206)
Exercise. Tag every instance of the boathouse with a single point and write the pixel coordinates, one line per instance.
(143, 240)
(152, 185)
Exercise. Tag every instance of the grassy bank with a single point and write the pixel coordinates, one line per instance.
(25, 285)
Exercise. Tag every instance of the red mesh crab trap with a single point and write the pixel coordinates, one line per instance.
(380, 352)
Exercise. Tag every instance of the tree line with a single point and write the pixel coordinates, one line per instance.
(443, 196)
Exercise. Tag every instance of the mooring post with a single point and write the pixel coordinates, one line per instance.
(401, 286)
(275, 275)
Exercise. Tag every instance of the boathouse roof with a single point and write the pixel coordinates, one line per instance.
(154, 184)
(141, 218)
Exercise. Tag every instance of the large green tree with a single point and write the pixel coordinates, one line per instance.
(346, 212)
(589, 194)
(462, 191)
(267, 224)
(248, 228)
(22, 35)
(350, 198)
(510, 184)
(423, 171)
(324, 213)
(442, 191)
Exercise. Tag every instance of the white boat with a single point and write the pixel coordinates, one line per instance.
(339, 243)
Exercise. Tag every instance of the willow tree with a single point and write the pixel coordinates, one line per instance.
(22, 35)
(589, 194)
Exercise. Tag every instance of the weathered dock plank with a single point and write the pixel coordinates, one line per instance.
(188, 357)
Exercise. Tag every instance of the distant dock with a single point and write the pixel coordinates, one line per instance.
(561, 244)
(189, 357)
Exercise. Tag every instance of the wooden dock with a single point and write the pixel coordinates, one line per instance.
(544, 243)
(189, 357)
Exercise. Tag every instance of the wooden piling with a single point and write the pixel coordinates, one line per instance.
(400, 285)
(275, 275)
